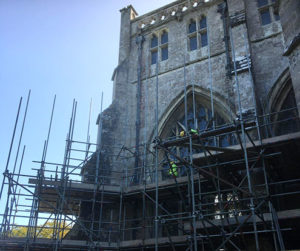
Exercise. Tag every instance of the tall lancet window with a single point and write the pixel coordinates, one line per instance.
(154, 49)
(203, 32)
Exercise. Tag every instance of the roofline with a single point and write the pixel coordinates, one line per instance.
(131, 7)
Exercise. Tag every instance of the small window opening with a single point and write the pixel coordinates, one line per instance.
(164, 37)
(276, 16)
(266, 11)
(154, 41)
(265, 17)
(204, 40)
(261, 3)
(193, 43)
(164, 46)
(154, 57)
(203, 31)
(192, 26)
(203, 23)
(164, 53)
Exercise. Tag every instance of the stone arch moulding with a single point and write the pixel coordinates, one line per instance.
(278, 92)
(281, 104)
(220, 106)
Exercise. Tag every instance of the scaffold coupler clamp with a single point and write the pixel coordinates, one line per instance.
(200, 216)
(196, 213)
(156, 141)
(161, 220)
(5, 173)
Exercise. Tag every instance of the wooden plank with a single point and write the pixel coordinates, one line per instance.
(282, 215)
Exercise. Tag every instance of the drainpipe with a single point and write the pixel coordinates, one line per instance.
(139, 41)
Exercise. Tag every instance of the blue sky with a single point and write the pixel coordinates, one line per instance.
(63, 47)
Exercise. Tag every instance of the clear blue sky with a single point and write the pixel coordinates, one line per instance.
(63, 47)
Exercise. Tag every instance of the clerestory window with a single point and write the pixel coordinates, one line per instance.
(197, 34)
(159, 47)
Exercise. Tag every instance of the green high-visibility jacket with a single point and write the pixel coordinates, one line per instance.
(193, 131)
(173, 170)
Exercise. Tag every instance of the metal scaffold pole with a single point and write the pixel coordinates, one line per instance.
(17, 154)
(252, 207)
(144, 210)
(156, 160)
(97, 181)
(64, 178)
(139, 41)
(11, 145)
(11, 198)
(191, 170)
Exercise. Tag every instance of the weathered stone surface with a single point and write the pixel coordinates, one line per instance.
(290, 18)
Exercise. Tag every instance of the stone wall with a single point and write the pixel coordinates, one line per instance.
(290, 18)
(266, 47)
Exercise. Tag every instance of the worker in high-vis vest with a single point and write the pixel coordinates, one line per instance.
(173, 169)
(193, 132)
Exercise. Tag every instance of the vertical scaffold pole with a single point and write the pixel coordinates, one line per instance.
(244, 142)
(97, 174)
(191, 171)
(253, 87)
(88, 133)
(212, 107)
(211, 82)
(17, 155)
(64, 176)
(156, 160)
(18, 176)
(139, 41)
(11, 145)
(98, 166)
(263, 159)
(145, 154)
(14, 188)
(185, 119)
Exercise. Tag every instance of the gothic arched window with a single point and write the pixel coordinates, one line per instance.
(199, 118)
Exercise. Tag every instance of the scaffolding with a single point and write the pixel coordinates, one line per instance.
(222, 198)
(218, 205)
